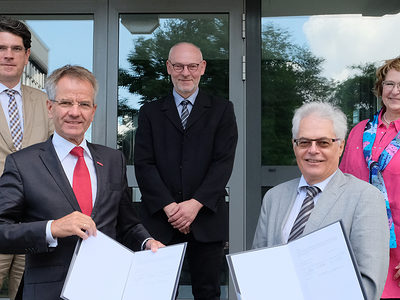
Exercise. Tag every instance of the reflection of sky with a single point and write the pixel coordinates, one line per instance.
(344, 40)
(293, 25)
(69, 42)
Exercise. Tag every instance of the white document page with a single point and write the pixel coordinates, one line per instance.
(268, 273)
(153, 275)
(325, 265)
(318, 264)
(103, 269)
(93, 274)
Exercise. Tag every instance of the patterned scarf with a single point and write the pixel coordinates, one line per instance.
(376, 168)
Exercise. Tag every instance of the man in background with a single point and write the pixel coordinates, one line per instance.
(324, 195)
(184, 152)
(23, 120)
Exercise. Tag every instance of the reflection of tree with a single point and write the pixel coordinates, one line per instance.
(290, 75)
(147, 76)
(355, 94)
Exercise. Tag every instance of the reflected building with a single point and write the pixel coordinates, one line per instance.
(36, 70)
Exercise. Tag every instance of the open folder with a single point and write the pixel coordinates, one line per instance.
(103, 269)
(317, 266)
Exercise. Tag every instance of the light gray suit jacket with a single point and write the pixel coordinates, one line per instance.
(359, 205)
(37, 126)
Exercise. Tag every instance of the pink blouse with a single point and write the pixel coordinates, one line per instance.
(353, 162)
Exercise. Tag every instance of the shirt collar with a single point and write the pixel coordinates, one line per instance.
(64, 147)
(178, 98)
(321, 185)
(15, 88)
(382, 124)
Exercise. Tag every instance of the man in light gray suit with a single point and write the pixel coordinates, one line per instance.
(319, 131)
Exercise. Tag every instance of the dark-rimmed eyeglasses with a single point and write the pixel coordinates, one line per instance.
(180, 67)
(390, 84)
(321, 143)
(84, 105)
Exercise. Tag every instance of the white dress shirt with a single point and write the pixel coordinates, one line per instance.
(68, 162)
(4, 99)
(301, 195)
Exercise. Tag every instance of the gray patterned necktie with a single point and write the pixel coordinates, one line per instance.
(304, 214)
(184, 113)
(15, 124)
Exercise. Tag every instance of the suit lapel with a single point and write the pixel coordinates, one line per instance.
(169, 108)
(28, 116)
(201, 105)
(326, 202)
(5, 131)
(101, 179)
(52, 163)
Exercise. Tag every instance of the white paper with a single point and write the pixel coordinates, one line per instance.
(316, 264)
(103, 269)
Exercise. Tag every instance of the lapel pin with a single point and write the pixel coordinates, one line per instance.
(99, 163)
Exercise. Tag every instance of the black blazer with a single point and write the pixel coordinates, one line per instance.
(35, 189)
(173, 164)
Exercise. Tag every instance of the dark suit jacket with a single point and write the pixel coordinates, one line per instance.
(173, 164)
(35, 189)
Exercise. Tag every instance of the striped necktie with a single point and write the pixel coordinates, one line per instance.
(185, 112)
(15, 124)
(304, 214)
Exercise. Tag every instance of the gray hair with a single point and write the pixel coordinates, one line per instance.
(323, 110)
(70, 71)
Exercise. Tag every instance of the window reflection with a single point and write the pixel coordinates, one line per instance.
(145, 41)
(327, 58)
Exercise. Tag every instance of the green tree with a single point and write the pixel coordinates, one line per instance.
(147, 76)
(355, 94)
(290, 75)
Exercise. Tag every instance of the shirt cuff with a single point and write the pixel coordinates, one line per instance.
(51, 241)
(144, 243)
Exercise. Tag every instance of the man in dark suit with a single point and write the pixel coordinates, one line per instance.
(184, 152)
(44, 205)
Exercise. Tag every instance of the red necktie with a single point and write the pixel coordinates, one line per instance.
(81, 182)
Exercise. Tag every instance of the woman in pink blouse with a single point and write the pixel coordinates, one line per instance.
(371, 155)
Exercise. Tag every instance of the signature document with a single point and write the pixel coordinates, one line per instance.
(103, 269)
(320, 263)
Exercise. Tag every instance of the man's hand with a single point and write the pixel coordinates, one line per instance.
(171, 209)
(153, 245)
(187, 212)
(75, 223)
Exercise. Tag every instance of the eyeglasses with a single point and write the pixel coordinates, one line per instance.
(84, 105)
(321, 143)
(14, 49)
(180, 67)
(390, 85)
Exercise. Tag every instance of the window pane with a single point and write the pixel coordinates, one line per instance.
(144, 43)
(319, 57)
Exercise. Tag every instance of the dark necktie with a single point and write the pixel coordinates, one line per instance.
(184, 113)
(304, 214)
(15, 124)
(81, 182)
